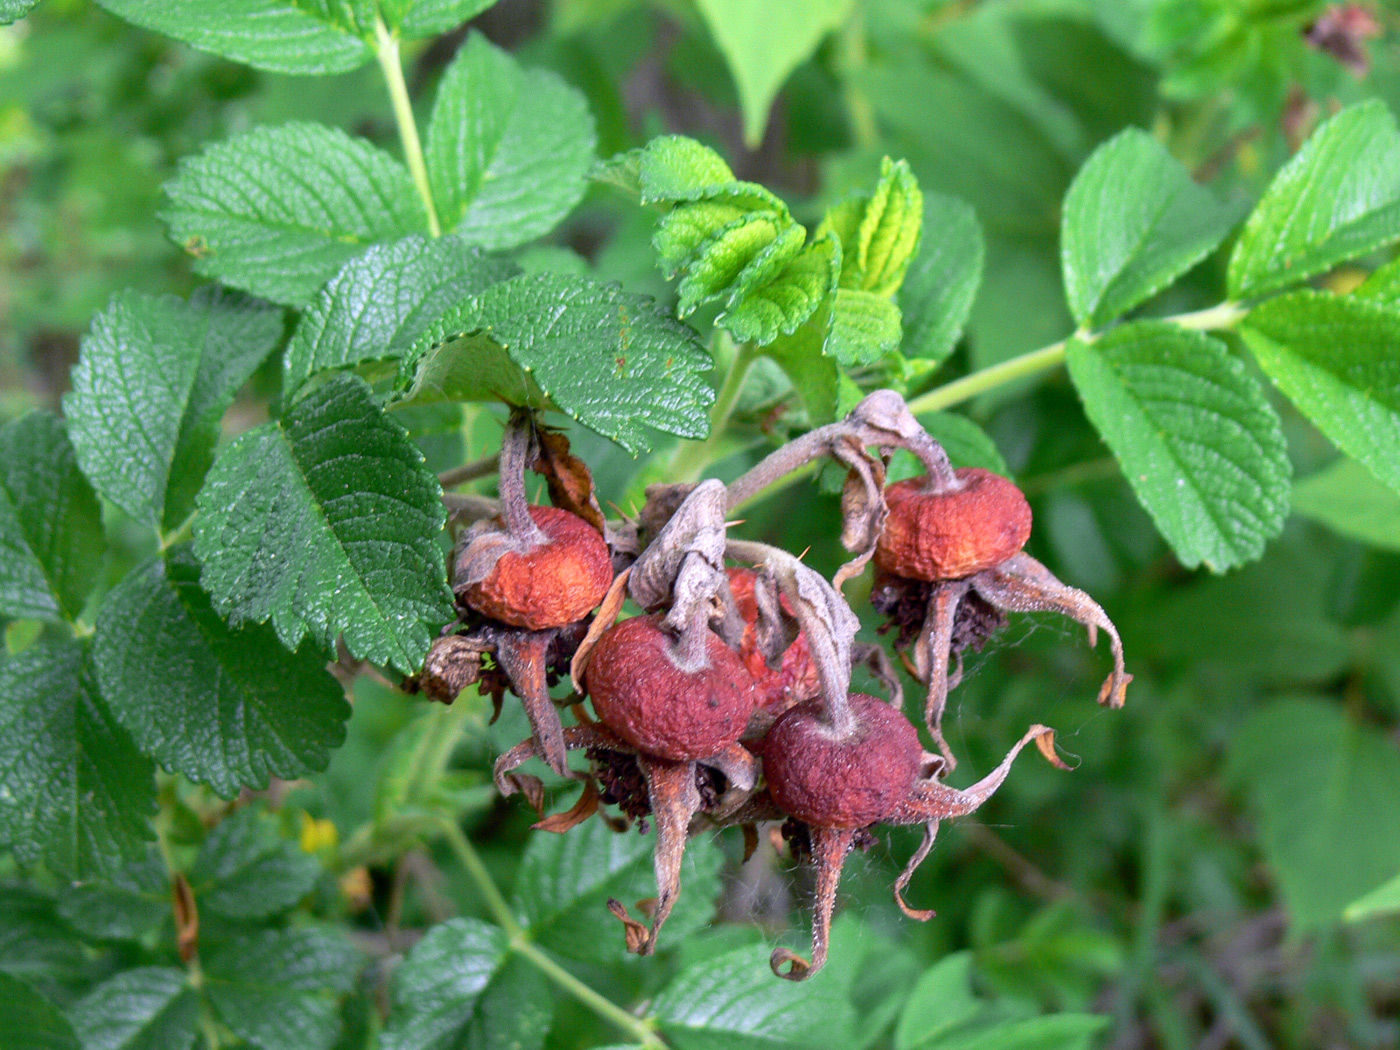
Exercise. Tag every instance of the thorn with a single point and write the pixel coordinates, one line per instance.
(736, 521)
(804, 553)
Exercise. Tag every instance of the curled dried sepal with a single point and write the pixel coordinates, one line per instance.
(522, 656)
(454, 662)
(932, 654)
(568, 477)
(674, 801)
(1022, 584)
(575, 738)
(694, 533)
(607, 612)
(830, 848)
(575, 815)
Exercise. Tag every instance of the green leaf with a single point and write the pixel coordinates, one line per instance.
(247, 870)
(278, 211)
(1338, 360)
(1327, 791)
(124, 905)
(864, 327)
(1055, 1032)
(967, 444)
(145, 1009)
(281, 989)
(438, 989)
(1198, 441)
(281, 36)
(1383, 286)
(13, 10)
(28, 1021)
(36, 944)
(1339, 197)
(51, 541)
(1133, 222)
(610, 360)
(676, 168)
(1347, 498)
(508, 148)
(790, 299)
(733, 1002)
(228, 708)
(153, 380)
(380, 302)
(879, 231)
(941, 1002)
(420, 18)
(564, 883)
(763, 43)
(803, 359)
(1383, 900)
(941, 283)
(326, 523)
(77, 794)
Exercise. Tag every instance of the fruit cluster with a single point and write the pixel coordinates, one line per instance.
(727, 701)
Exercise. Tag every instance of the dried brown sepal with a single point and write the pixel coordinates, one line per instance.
(830, 848)
(186, 911)
(568, 477)
(662, 501)
(675, 799)
(576, 738)
(875, 660)
(637, 933)
(750, 841)
(454, 662)
(682, 568)
(602, 620)
(863, 510)
(932, 653)
(575, 815)
(522, 656)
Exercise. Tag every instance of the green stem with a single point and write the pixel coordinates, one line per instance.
(635, 1027)
(387, 51)
(695, 456)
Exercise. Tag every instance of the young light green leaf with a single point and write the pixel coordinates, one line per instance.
(419, 18)
(508, 148)
(151, 1008)
(763, 43)
(438, 990)
(1383, 900)
(1133, 222)
(380, 302)
(281, 989)
(610, 360)
(1339, 197)
(31, 1022)
(154, 377)
(1347, 498)
(1338, 360)
(732, 1001)
(789, 300)
(864, 327)
(281, 36)
(326, 523)
(1333, 832)
(564, 883)
(941, 282)
(1198, 441)
(228, 708)
(51, 542)
(279, 210)
(676, 168)
(13, 10)
(246, 870)
(77, 793)
(879, 231)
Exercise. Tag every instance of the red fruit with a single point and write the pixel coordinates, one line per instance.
(659, 708)
(841, 782)
(946, 536)
(796, 677)
(551, 585)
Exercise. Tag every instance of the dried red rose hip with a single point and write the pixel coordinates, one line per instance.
(796, 677)
(841, 782)
(550, 585)
(948, 535)
(659, 708)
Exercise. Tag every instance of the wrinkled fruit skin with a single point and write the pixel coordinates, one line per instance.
(830, 782)
(796, 677)
(643, 697)
(555, 584)
(950, 535)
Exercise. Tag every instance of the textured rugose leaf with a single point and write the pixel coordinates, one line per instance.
(791, 299)
(146, 1009)
(51, 542)
(28, 1021)
(864, 327)
(879, 231)
(418, 18)
(246, 870)
(438, 989)
(508, 148)
(733, 1002)
(279, 210)
(281, 36)
(326, 523)
(14, 10)
(1328, 794)
(763, 43)
(77, 793)
(565, 882)
(1339, 197)
(228, 708)
(36, 945)
(1198, 441)
(1133, 222)
(380, 302)
(942, 279)
(1338, 360)
(612, 361)
(281, 989)
(1347, 498)
(154, 377)
(123, 905)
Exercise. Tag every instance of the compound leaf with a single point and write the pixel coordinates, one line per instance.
(154, 378)
(326, 523)
(279, 210)
(246, 870)
(50, 523)
(1198, 441)
(941, 282)
(508, 148)
(77, 794)
(151, 1008)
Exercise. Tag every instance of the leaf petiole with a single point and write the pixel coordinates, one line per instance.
(386, 50)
